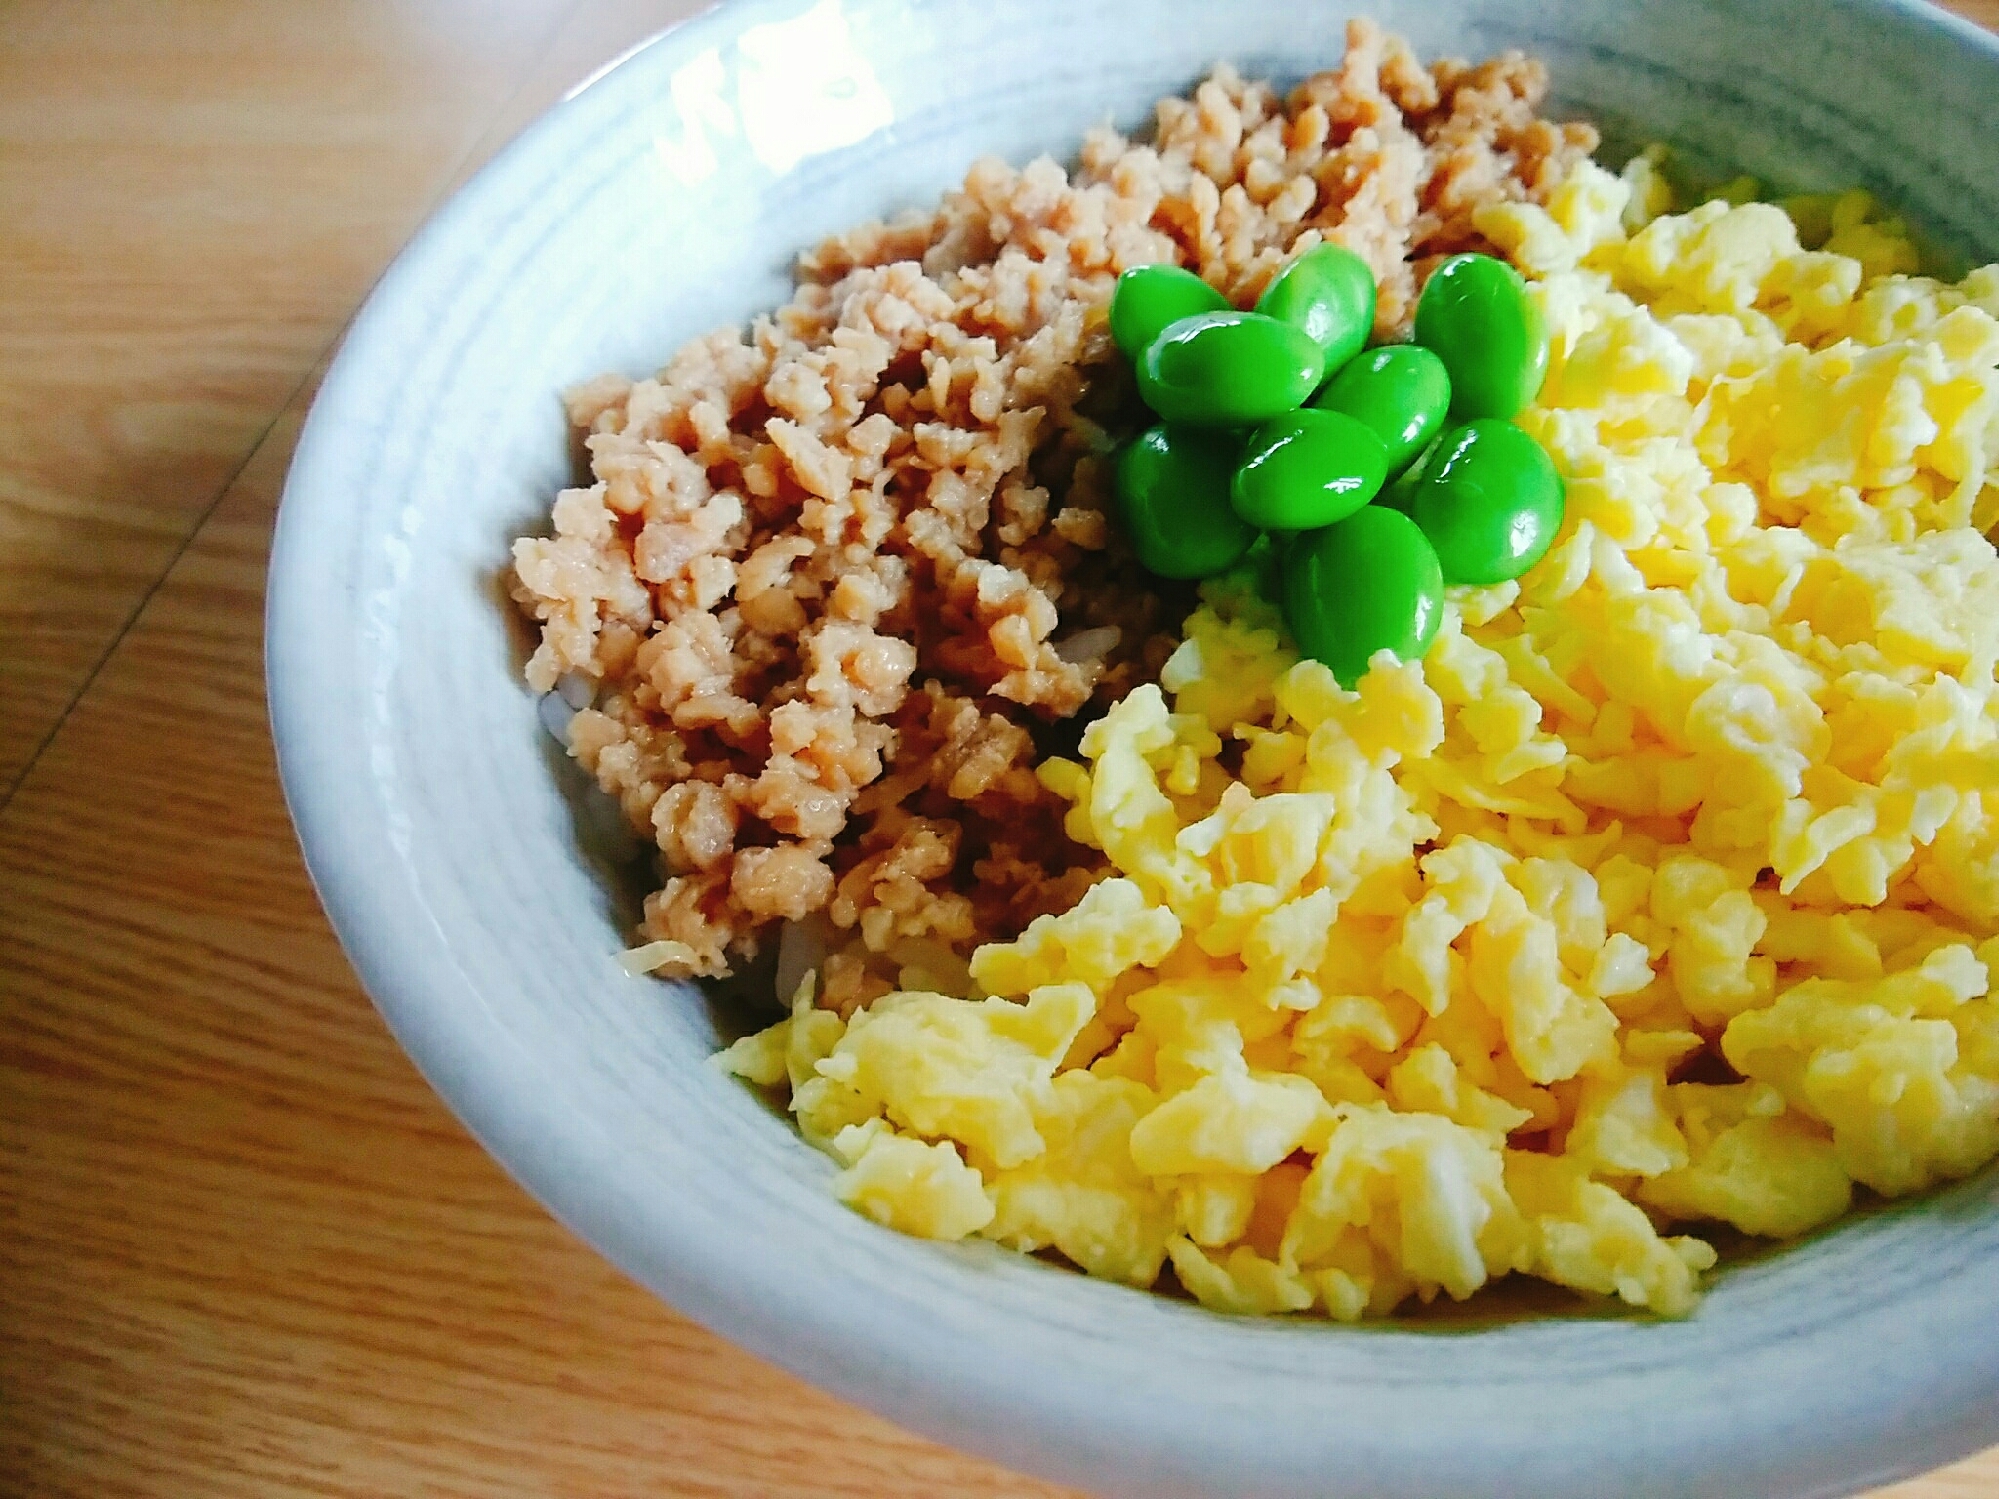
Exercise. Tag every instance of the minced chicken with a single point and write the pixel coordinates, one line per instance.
(839, 577)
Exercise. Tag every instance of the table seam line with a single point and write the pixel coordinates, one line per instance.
(166, 571)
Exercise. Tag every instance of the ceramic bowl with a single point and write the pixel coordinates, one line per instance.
(453, 846)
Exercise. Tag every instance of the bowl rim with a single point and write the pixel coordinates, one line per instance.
(405, 962)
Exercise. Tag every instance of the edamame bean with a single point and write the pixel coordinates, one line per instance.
(1476, 315)
(1228, 369)
(1401, 391)
(1307, 469)
(1173, 498)
(1149, 297)
(1329, 292)
(1368, 583)
(1490, 502)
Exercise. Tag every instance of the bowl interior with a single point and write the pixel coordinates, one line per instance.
(477, 889)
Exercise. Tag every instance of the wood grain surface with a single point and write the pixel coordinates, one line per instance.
(243, 1249)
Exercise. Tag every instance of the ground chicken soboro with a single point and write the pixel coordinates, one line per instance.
(837, 572)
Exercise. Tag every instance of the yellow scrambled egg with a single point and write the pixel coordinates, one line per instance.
(1389, 990)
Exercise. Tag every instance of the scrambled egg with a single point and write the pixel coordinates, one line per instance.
(1393, 992)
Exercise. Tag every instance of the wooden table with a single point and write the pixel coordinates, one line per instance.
(243, 1249)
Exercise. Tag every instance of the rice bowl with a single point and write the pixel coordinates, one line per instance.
(495, 1015)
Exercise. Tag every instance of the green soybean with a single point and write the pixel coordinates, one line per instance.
(1329, 292)
(1228, 369)
(1475, 314)
(1173, 500)
(1307, 469)
(1368, 583)
(1149, 297)
(1490, 501)
(1400, 391)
